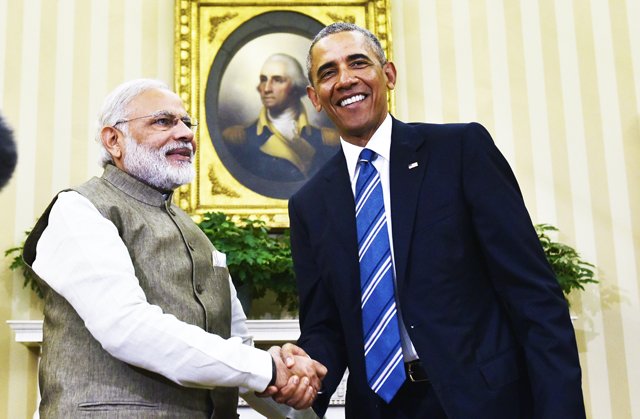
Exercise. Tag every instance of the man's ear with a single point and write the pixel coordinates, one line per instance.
(112, 142)
(390, 71)
(311, 92)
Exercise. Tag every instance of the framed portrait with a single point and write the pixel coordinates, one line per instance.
(240, 68)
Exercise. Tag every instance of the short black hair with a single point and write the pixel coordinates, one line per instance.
(338, 27)
(8, 153)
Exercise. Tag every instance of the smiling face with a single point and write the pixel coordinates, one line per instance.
(276, 87)
(152, 146)
(350, 84)
(152, 132)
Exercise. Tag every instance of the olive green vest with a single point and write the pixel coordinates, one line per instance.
(173, 263)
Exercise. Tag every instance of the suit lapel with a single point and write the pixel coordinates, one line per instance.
(341, 224)
(339, 201)
(407, 166)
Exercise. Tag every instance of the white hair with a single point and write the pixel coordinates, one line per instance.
(293, 70)
(114, 109)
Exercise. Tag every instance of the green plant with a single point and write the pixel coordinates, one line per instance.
(571, 271)
(262, 261)
(256, 259)
(18, 264)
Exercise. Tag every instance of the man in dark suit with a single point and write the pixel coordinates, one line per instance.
(476, 322)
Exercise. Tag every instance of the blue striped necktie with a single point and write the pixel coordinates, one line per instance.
(382, 350)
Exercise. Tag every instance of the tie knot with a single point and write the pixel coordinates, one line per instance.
(367, 155)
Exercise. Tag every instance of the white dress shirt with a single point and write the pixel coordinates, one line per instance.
(81, 257)
(380, 143)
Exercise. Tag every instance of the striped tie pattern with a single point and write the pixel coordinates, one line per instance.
(382, 350)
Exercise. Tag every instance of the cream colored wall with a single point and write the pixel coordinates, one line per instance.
(58, 60)
(557, 83)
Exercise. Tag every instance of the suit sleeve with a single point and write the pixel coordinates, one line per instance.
(522, 277)
(321, 335)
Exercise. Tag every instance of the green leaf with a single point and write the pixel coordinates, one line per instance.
(255, 256)
(17, 264)
(572, 272)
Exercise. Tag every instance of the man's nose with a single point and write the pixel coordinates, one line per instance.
(183, 132)
(346, 78)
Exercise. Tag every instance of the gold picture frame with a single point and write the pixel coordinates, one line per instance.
(209, 35)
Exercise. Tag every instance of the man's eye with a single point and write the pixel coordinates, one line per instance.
(187, 122)
(326, 74)
(164, 121)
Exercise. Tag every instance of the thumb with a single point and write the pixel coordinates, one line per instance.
(288, 351)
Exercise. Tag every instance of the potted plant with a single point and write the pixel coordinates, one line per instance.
(258, 260)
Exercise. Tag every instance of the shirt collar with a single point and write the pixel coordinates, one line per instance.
(380, 143)
(263, 120)
(134, 187)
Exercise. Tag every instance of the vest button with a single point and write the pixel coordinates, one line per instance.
(199, 288)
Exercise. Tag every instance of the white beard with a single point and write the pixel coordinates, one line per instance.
(151, 166)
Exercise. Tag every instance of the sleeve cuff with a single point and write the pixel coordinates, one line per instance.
(274, 373)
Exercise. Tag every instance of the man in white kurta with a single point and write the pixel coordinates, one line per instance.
(141, 318)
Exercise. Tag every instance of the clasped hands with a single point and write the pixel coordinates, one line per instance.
(298, 377)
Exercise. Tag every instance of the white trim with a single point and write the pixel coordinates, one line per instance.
(29, 332)
(274, 330)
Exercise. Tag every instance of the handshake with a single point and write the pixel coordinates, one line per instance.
(298, 378)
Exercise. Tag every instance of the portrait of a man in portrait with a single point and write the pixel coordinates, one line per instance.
(270, 138)
(281, 144)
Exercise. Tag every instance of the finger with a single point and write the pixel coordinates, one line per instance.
(295, 349)
(316, 372)
(282, 372)
(287, 391)
(321, 370)
(306, 367)
(315, 383)
(288, 351)
(275, 351)
(306, 400)
(300, 395)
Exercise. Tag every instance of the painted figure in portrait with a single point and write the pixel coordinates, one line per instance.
(281, 145)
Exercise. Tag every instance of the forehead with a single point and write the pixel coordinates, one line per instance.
(156, 100)
(339, 46)
(274, 68)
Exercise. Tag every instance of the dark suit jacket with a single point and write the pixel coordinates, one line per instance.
(249, 155)
(479, 300)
